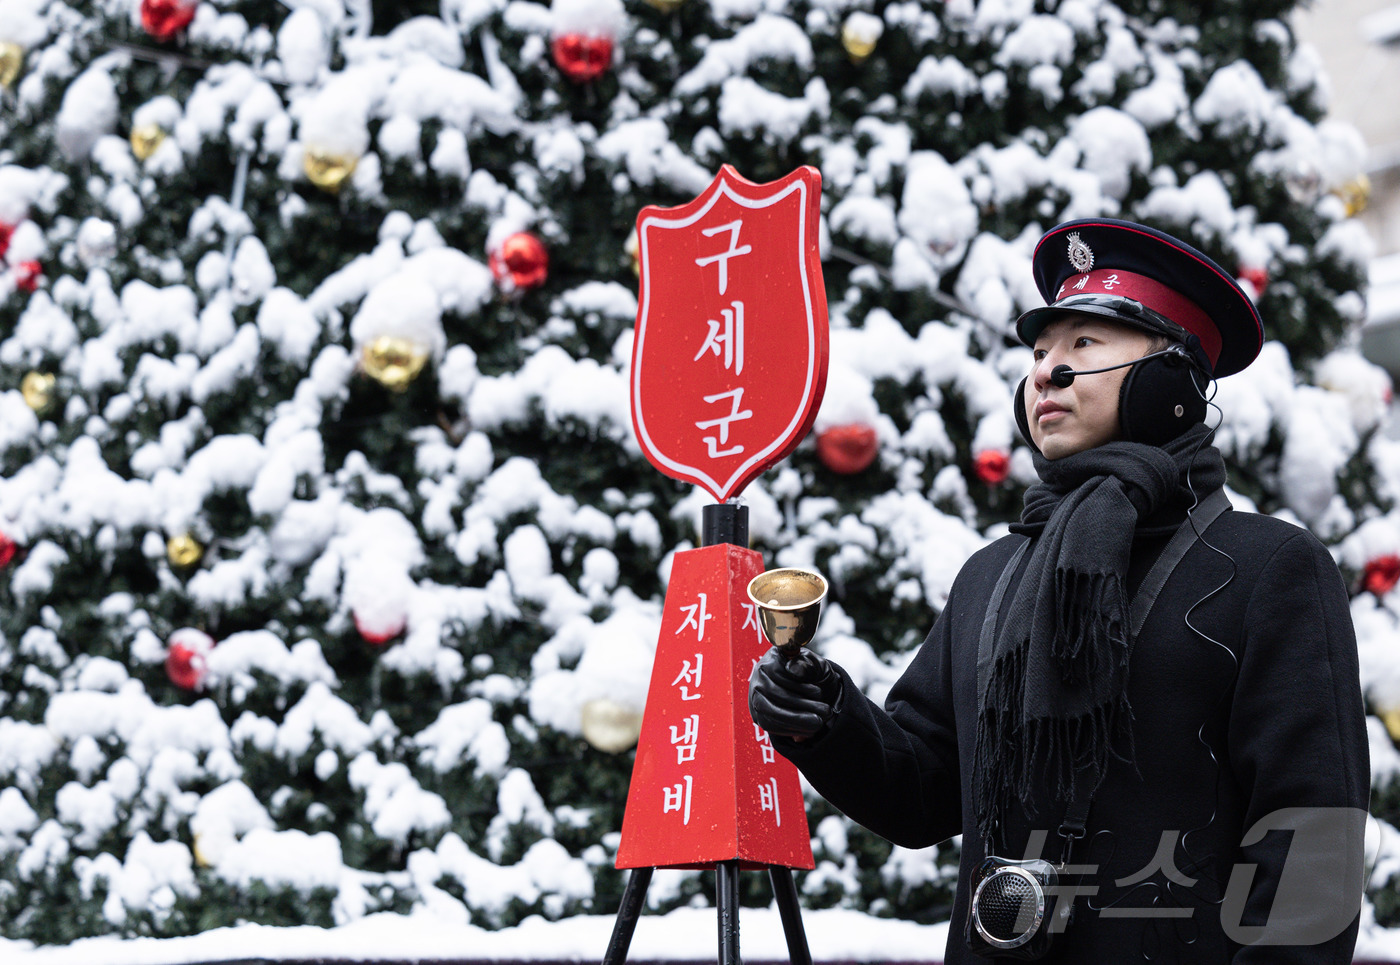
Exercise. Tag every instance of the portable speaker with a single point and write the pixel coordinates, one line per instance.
(1016, 908)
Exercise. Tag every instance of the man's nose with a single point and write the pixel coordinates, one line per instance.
(1040, 372)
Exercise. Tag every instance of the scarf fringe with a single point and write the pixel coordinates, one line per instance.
(1066, 756)
(1089, 634)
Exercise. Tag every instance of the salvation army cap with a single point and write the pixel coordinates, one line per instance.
(1145, 278)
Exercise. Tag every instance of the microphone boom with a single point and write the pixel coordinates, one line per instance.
(1062, 376)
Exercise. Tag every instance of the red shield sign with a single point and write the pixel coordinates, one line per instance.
(730, 353)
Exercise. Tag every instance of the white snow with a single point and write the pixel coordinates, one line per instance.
(18, 424)
(395, 804)
(427, 90)
(1203, 200)
(939, 76)
(320, 715)
(89, 110)
(614, 660)
(869, 219)
(748, 108)
(236, 658)
(606, 18)
(465, 732)
(1039, 39)
(643, 147)
(1162, 100)
(16, 818)
(1235, 99)
(1114, 145)
(401, 307)
(935, 208)
(768, 37)
(150, 877)
(294, 858)
(302, 46)
(36, 574)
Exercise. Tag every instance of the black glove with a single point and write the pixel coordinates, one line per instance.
(794, 697)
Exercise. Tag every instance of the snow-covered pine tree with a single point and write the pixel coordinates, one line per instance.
(331, 564)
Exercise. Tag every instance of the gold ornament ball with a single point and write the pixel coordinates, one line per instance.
(11, 62)
(666, 6)
(633, 248)
(327, 170)
(1355, 194)
(859, 35)
(1391, 719)
(184, 551)
(38, 391)
(393, 362)
(146, 139)
(201, 852)
(609, 726)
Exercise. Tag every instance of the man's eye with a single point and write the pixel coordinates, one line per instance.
(1083, 341)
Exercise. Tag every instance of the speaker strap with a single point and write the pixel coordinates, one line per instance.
(989, 623)
(1198, 521)
(1186, 535)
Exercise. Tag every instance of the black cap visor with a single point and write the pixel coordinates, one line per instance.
(1114, 308)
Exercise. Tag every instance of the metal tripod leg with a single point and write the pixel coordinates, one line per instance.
(633, 895)
(786, 894)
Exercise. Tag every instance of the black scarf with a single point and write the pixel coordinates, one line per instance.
(1056, 701)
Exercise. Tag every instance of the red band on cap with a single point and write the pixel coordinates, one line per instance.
(1156, 296)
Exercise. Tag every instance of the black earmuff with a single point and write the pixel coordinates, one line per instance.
(1161, 398)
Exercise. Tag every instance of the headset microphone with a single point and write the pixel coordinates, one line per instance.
(1157, 401)
(1062, 376)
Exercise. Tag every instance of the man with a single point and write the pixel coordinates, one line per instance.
(1176, 698)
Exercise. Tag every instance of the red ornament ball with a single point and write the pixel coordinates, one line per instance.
(8, 549)
(582, 57)
(848, 449)
(1381, 574)
(163, 19)
(992, 466)
(187, 660)
(5, 231)
(379, 630)
(1256, 276)
(27, 275)
(521, 262)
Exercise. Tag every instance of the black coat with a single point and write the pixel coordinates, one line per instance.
(1276, 702)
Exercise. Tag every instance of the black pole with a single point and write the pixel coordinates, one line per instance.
(724, 523)
(786, 893)
(727, 893)
(627, 915)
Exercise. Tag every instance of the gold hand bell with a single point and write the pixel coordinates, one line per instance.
(789, 605)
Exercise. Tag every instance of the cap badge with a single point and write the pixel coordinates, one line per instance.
(1081, 256)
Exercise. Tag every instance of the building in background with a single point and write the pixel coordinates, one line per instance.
(1359, 41)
